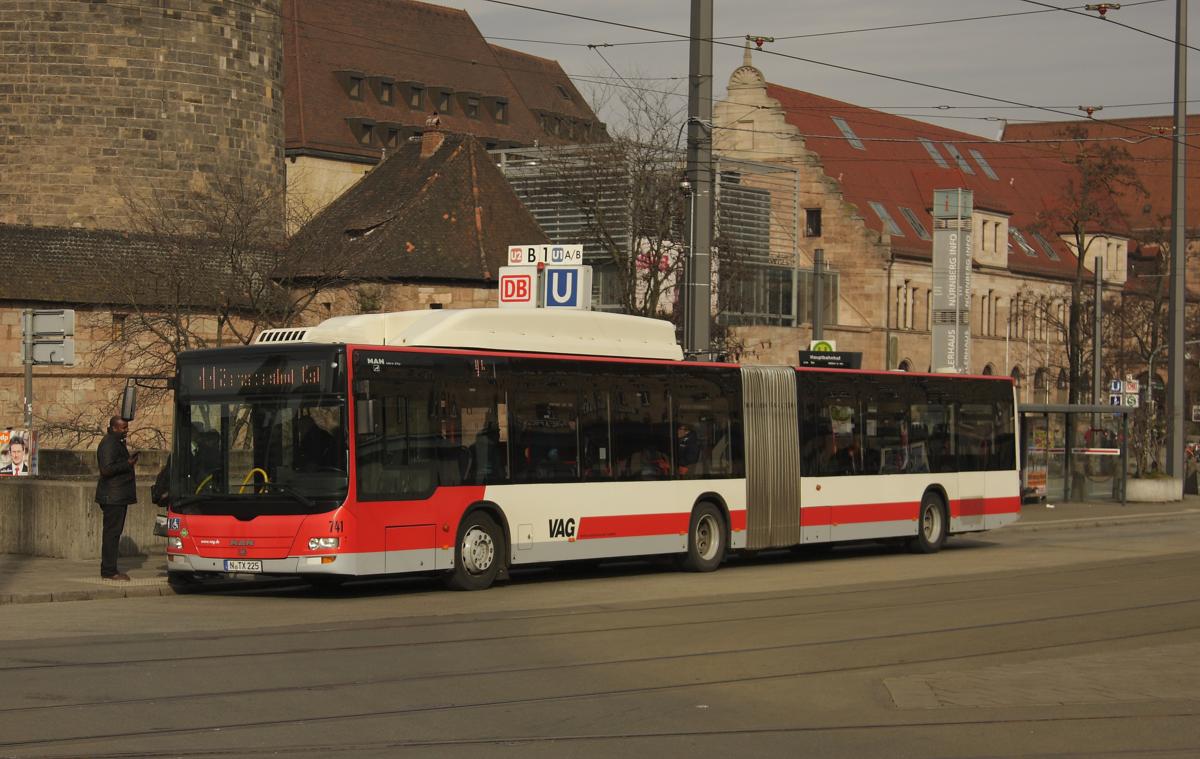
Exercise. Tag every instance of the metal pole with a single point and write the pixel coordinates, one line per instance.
(818, 299)
(27, 325)
(1175, 374)
(1124, 453)
(698, 286)
(1097, 338)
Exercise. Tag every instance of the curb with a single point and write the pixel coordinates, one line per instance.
(143, 591)
(1080, 522)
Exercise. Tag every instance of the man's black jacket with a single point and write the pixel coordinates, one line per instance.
(116, 486)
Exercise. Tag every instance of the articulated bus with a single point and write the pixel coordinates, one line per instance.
(464, 443)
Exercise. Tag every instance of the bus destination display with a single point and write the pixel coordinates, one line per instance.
(274, 375)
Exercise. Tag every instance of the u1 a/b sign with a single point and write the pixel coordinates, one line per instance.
(550, 255)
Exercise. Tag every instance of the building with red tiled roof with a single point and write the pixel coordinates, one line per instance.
(866, 181)
(427, 228)
(1147, 210)
(363, 76)
(1147, 140)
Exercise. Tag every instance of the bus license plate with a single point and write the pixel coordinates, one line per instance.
(243, 565)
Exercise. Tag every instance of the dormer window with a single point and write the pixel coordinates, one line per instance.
(416, 97)
(443, 101)
(501, 112)
(562, 92)
(363, 130)
(384, 89)
(472, 108)
(353, 82)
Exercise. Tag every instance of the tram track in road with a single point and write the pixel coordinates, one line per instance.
(940, 658)
(908, 604)
(100, 721)
(973, 586)
(498, 741)
(742, 680)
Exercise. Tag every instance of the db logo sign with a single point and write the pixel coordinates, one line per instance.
(516, 289)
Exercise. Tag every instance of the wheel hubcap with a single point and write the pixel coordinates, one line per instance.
(931, 524)
(478, 551)
(707, 537)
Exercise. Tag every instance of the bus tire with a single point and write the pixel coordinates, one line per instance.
(478, 553)
(706, 539)
(183, 582)
(325, 583)
(932, 525)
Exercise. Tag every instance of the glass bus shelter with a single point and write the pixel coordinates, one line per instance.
(1073, 452)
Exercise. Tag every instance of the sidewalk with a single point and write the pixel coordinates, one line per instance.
(37, 579)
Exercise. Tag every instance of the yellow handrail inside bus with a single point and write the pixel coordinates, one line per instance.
(203, 482)
(250, 477)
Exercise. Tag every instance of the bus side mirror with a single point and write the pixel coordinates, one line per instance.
(364, 416)
(129, 402)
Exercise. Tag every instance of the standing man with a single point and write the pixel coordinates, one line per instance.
(114, 492)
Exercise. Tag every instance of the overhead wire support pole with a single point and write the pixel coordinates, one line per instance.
(1175, 373)
(698, 268)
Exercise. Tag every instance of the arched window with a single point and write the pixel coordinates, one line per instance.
(1039, 379)
(989, 370)
(1016, 375)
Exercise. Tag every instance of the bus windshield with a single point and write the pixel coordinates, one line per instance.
(263, 438)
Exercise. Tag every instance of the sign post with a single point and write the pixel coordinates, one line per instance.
(49, 339)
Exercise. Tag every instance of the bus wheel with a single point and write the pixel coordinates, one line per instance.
(183, 582)
(325, 583)
(706, 539)
(931, 527)
(479, 553)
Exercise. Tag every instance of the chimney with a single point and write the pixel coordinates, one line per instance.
(431, 140)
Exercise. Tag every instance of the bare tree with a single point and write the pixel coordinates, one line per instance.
(1085, 209)
(212, 268)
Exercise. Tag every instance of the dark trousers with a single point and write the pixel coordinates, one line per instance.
(114, 524)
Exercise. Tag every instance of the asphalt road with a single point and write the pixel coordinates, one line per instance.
(1060, 642)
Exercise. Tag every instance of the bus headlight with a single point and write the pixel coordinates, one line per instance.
(317, 544)
(175, 544)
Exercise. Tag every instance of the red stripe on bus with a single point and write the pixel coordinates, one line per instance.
(858, 513)
(974, 507)
(737, 520)
(861, 513)
(641, 525)
(633, 525)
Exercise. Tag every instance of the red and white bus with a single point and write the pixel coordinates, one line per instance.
(468, 442)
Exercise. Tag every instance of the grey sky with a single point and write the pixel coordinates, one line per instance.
(1052, 59)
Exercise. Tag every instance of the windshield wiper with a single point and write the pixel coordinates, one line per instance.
(289, 490)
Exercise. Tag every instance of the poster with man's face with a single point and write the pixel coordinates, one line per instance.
(18, 453)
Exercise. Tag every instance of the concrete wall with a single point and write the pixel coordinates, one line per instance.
(60, 518)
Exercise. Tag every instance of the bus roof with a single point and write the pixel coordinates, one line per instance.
(586, 333)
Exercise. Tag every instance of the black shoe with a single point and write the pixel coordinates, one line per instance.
(119, 577)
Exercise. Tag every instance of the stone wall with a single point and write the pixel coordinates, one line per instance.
(99, 100)
(60, 518)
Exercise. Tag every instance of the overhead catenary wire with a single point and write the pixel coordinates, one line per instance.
(813, 61)
(1110, 20)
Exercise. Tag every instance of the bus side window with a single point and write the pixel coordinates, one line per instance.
(1005, 454)
(641, 432)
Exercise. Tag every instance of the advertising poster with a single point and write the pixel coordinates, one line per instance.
(18, 453)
